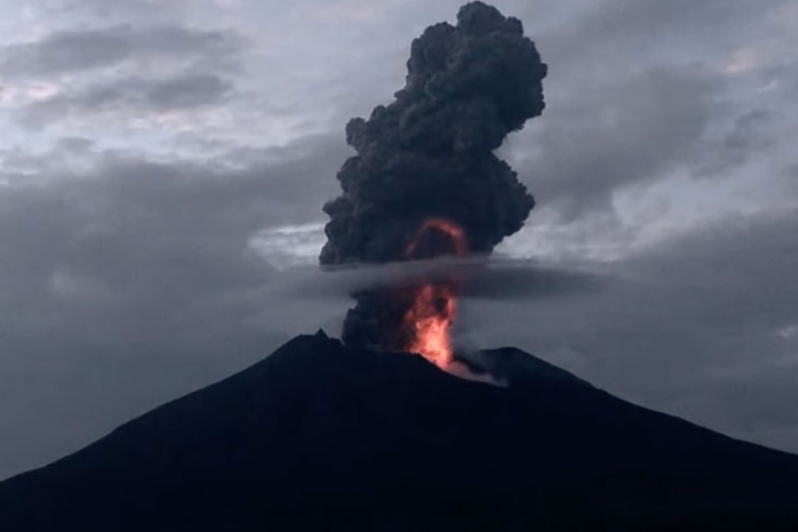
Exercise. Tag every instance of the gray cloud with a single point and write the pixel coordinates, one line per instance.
(132, 97)
(127, 210)
(751, 133)
(639, 93)
(632, 131)
(71, 51)
(482, 279)
(124, 9)
(617, 33)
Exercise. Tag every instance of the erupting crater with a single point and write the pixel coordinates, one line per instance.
(433, 303)
(426, 181)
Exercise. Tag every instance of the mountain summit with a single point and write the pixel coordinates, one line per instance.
(320, 436)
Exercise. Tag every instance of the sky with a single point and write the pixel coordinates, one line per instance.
(165, 162)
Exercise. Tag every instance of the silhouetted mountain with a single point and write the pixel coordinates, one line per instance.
(320, 436)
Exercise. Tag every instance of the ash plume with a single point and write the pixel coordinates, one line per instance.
(429, 154)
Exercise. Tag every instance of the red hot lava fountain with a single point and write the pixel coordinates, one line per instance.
(433, 304)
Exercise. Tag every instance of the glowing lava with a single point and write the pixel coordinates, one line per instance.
(433, 305)
(430, 318)
(421, 246)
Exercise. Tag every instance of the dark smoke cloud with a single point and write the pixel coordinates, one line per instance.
(430, 153)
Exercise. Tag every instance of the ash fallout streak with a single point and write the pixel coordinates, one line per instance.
(425, 182)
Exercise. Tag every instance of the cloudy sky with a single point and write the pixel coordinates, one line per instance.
(164, 163)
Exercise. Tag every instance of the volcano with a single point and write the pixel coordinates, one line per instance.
(322, 436)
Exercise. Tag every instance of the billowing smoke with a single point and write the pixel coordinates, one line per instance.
(429, 155)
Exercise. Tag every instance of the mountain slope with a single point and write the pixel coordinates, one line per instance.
(322, 436)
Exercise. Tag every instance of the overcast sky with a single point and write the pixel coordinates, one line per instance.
(164, 163)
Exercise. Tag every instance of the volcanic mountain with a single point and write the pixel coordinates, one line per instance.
(321, 436)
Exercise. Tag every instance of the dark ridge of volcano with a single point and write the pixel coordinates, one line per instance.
(320, 436)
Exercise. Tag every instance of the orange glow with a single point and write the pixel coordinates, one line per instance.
(430, 318)
(455, 233)
(433, 306)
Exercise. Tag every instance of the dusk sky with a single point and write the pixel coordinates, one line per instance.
(164, 164)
